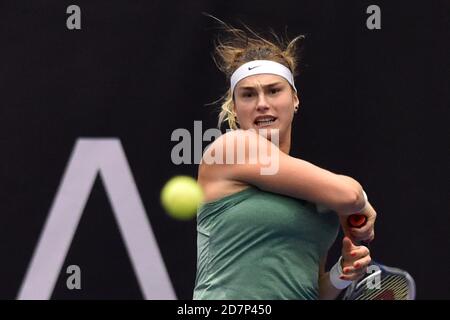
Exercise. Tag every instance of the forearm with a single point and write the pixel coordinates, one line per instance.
(356, 205)
(326, 290)
(360, 201)
(368, 210)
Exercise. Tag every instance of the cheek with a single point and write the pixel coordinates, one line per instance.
(243, 113)
(243, 118)
(287, 112)
(286, 117)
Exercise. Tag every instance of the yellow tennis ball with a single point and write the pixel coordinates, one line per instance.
(181, 196)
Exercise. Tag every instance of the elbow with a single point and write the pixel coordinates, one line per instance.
(353, 200)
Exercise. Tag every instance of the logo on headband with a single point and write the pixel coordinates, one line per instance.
(251, 68)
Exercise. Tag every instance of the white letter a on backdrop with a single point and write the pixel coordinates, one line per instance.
(90, 157)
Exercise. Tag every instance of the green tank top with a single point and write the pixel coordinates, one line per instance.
(258, 245)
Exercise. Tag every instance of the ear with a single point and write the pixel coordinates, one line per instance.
(296, 100)
(296, 103)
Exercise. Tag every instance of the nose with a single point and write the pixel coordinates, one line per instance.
(262, 104)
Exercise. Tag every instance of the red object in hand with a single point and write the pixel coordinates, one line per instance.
(357, 220)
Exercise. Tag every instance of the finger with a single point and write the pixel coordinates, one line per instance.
(347, 245)
(359, 252)
(360, 231)
(347, 248)
(353, 274)
(372, 236)
(369, 238)
(349, 270)
(352, 277)
(366, 227)
(361, 235)
(361, 264)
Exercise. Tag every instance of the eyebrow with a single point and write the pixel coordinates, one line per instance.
(265, 86)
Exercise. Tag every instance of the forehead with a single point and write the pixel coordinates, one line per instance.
(258, 80)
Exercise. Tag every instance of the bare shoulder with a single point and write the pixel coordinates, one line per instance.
(226, 148)
(212, 171)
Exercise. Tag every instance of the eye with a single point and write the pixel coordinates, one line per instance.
(274, 90)
(247, 94)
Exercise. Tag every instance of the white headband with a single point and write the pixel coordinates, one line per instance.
(259, 67)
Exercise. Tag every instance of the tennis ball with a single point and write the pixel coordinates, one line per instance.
(181, 196)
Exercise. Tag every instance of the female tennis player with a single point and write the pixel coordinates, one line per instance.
(261, 234)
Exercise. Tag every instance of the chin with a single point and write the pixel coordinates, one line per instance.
(268, 132)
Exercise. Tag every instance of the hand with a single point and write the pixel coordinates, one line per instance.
(355, 260)
(364, 233)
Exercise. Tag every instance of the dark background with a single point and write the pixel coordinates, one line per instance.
(375, 106)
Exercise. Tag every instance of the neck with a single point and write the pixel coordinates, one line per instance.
(285, 145)
(285, 142)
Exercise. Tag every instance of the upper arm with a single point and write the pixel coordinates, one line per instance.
(270, 169)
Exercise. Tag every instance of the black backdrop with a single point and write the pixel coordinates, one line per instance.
(374, 106)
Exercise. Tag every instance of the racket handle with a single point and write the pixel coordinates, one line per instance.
(357, 220)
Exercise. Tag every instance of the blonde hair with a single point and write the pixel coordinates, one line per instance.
(237, 46)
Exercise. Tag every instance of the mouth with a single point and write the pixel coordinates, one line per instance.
(264, 121)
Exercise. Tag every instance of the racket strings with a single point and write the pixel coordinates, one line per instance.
(393, 287)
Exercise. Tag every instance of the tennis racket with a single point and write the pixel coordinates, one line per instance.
(381, 282)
